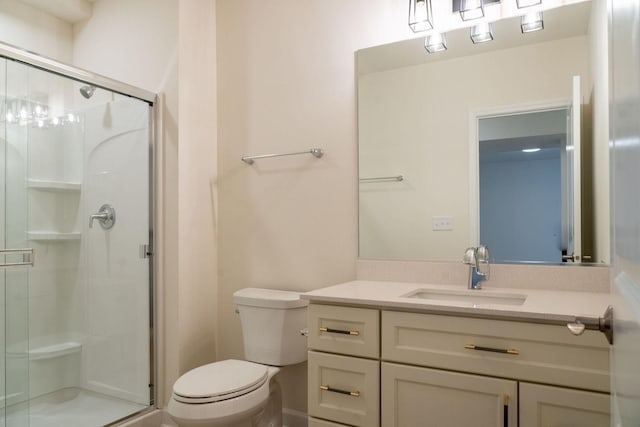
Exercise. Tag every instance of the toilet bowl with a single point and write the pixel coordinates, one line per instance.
(229, 393)
(245, 393)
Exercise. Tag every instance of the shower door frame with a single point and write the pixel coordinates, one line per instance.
(155, 103)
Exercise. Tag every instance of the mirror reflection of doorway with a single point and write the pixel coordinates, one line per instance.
(523, 181)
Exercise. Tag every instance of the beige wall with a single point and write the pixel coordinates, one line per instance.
(132, 41)
(286, 83)
(421, 130)
(24, 26)
(197, 188)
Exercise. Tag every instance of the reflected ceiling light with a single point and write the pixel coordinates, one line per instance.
(471, 9)
(481, 33)
(527, 3)
(530, 150)
(436, 42)
(420, 16)
(531, 22)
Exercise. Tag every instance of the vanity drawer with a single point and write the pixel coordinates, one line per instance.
(344, 330)
(538, 353)
(344, 389)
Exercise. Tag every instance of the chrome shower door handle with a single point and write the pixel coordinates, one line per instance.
(106, 216)
(27, 257)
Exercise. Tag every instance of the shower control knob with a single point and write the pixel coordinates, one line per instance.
(106, 216)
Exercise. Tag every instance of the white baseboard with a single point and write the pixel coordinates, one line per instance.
(157, 418)
(293, 418)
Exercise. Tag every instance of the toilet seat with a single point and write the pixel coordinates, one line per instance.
(219, 381)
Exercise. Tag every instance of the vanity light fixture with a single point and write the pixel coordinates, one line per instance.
(530, 150)
(436, 42)
(471, 9)
(420, 16)
(481, 33)
(527, 3)
(531, 22)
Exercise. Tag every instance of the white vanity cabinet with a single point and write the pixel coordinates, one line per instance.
(422, 369)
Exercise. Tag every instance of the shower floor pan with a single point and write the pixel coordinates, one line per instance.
(75, 407)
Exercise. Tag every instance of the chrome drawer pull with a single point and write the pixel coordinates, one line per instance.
(339, 331)
(493, 350)
(336, 390)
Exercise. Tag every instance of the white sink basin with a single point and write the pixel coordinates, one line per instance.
(474, 297)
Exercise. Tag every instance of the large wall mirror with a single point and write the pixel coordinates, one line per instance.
(430, 170)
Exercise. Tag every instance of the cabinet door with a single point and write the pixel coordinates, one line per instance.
(423, 397)
(542, 406)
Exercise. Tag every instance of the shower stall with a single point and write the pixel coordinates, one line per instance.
(76, 333)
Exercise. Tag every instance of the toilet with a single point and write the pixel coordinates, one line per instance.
(245, 393)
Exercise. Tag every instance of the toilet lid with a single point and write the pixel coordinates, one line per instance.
(219, 381)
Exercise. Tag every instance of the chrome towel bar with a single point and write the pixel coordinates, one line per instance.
(383, 178)
(317, 152)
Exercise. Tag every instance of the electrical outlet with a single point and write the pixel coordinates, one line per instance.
(442, 223)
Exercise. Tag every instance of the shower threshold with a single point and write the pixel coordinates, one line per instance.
(76, 407)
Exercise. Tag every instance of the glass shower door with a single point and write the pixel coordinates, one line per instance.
(15, 280)
(76, 189)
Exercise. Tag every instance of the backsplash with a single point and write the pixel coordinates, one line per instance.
(552, 277)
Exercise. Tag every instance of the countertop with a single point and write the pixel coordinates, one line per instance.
(540, 306)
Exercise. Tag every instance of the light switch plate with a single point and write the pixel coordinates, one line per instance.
(442, 223)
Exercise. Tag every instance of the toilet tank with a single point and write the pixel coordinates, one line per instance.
(271, 324)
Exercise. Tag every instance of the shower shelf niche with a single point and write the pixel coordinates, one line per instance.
(49, 185)
(56, 350)
(52, 236)
(47, 352)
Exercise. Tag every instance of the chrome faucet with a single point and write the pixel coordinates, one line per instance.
(475, 257)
